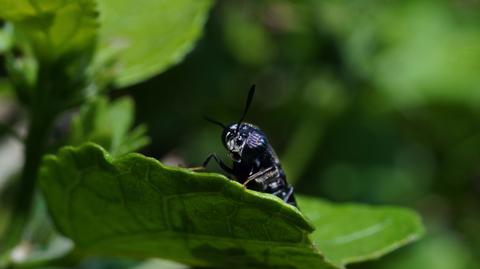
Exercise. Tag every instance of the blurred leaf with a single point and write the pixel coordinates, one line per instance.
(134, 206)
(8, 188)
(6, 89)
(53, 27)
(442, 250)
(415, 52)
(437, 63)
(5, 38)
(108, 124)
(54, 42)
(160, 264)
(247, 39)
(353, 233)
(41, 243)
(17, 10)
(147, 37)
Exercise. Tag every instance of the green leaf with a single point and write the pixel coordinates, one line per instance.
(146, 37)
(353, 233)
(134, 206)
(53, 27)
(108, 124)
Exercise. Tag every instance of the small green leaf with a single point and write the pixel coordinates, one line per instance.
(146, 37)
(108, 124)
(353, 233)
(53, 27)
(134, 206)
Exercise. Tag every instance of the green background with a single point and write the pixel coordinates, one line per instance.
(369, 101)
(364, 101)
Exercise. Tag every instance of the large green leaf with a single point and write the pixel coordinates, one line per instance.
(145, 37)
(134, 206)
(53, 27)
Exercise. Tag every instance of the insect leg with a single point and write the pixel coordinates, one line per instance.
(259, 176)
(219, 162)
(247, 181)
(286, 195)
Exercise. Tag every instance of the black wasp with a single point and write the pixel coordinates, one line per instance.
(255, 163)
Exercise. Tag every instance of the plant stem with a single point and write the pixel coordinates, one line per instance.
(41, 119)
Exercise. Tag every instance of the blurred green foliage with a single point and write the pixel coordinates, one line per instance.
(108, 124)
(60, 58)
(369, 101)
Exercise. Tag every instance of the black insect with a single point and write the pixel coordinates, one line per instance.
(255, 163)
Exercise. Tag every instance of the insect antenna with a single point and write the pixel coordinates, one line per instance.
(251, 92)
(214, 122)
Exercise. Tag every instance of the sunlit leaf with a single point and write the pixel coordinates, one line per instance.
(145, 37)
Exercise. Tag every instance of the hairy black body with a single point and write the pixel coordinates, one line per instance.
(255, 163)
